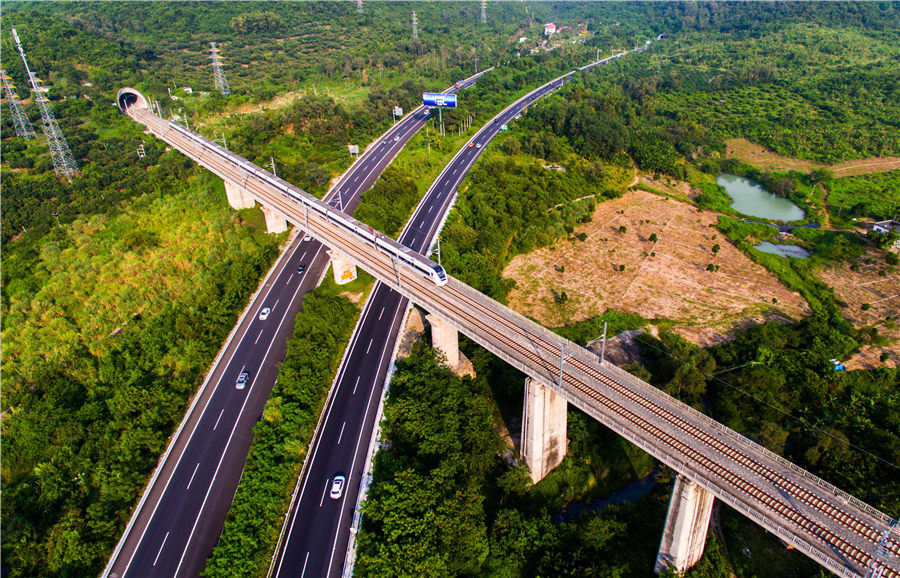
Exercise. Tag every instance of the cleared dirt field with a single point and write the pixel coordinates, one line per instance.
(759, 156)
(663, 279)
(864, 285)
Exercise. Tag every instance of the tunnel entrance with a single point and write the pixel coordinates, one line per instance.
(129, 97)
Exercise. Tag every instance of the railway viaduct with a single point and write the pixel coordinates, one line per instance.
(840, 532)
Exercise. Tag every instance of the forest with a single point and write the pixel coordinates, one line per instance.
(111, 318)
(777, 383)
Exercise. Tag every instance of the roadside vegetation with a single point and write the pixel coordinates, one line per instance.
(110, 324)
(119, 288)
(281, 438)
(670, 112)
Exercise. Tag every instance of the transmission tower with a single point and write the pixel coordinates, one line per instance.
(483, 11)
(415, 26)
(218, 71)
(359, 9)
(21, 122)
(63, 162)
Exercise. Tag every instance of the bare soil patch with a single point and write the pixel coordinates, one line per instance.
(871, 293)
(759, 156)
(663, 279)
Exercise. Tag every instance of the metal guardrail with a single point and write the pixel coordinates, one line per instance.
(543, 371)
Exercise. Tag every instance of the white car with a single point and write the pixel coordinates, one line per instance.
(397, 138)
(242, 380)
(307, 237)
(478, 145)
(337, 487)
(264, 313)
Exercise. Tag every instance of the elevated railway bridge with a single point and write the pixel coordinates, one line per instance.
(843, 534)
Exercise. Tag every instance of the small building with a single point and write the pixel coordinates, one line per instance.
(549, 28)
(885, 227)
(523, 39)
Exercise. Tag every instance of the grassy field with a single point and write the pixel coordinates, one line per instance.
(768, 160)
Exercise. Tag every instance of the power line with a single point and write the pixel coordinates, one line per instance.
(359, 8)
(799, 420)
(63, 162)
(483, 11)
(218, 71)
(23, 126)
(415, 23)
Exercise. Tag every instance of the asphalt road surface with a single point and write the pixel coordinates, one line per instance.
(318, 527)
(180, 518)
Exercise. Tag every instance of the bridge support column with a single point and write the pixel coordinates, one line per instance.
(544, 424)
(343, 269)
(238, 198)
(275, 221)
(445, 338)
(684, 535)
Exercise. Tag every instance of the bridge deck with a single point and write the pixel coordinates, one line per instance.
(830, 526)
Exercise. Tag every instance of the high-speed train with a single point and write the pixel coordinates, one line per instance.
(399, 254)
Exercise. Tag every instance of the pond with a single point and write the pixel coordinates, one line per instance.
(783, 250)
(752, 199)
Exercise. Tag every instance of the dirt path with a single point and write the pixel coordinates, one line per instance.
(759, 156)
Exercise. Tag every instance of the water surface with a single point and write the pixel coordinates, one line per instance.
(750, 198)
(783, 250)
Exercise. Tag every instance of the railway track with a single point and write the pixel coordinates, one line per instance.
(825, 523)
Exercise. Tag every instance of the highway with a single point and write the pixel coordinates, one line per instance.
(180, 516)
(317, 530)
(845, 535)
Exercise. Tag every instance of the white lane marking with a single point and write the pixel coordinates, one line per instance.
(430, 207)
(303, 255)
(160, 548)
(218, 418)
(380, 314)
(358, 440)
(355, 385)
(303, 572)
(325, 489)
(370, 345)
(341, 435)
(231, 435)
(305, 480)
(192, 476)
(454, 171)
(202, 415)
(257, 339)
(289, 279)
(276, 305)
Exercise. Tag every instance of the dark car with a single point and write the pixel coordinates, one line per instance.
(301, 269)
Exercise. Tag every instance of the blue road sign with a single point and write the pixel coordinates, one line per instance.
(438, 99)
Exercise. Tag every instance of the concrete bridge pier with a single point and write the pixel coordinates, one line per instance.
(544, 442)
(343, 269)
(275, 221)
(238, 198)
(445, 338)
(684, 535)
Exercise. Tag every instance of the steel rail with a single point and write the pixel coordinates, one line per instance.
(827, 524)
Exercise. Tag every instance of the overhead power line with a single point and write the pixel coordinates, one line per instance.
(63, 162)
